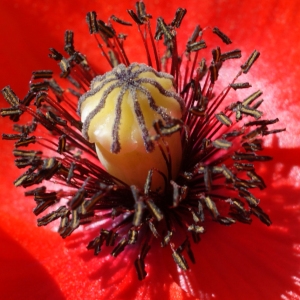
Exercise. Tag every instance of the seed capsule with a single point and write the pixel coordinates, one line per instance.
(118, 115)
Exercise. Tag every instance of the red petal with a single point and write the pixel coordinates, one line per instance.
(240, 262)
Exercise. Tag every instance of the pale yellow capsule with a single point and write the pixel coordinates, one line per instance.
(118, 115)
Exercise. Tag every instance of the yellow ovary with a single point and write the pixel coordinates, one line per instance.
(132, 161)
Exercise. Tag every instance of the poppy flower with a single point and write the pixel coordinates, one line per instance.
(236, 262)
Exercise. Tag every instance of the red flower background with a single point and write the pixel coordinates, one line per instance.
(238, 262)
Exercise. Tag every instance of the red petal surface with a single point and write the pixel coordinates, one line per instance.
(240, 262)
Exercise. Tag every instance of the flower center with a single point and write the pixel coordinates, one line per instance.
(118, 114)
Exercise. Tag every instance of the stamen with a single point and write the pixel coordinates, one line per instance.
(222, 35)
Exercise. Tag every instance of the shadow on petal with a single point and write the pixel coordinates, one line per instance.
(22, 276)
(116, 278)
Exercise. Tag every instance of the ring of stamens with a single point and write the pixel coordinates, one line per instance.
(208, 179)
